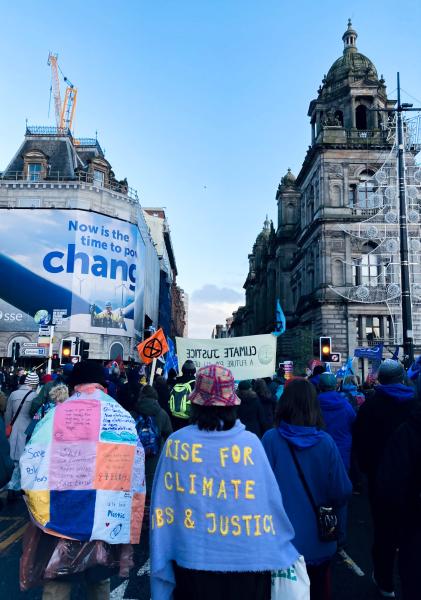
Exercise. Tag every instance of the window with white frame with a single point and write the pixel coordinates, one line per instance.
(34, 171)
(98, 177)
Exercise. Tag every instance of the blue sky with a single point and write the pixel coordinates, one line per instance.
(201, 104)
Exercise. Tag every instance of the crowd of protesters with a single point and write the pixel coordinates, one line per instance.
(309, 441)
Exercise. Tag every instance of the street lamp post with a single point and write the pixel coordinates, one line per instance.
(406, 305)
(408, 342)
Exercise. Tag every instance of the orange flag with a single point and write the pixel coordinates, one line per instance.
(154, 347)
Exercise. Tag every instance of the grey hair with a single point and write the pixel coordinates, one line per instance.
(59, 393)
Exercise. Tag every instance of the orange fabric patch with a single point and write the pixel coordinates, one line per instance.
(138, 506)
(114, 464)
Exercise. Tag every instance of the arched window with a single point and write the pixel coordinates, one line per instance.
(337, 272)
(290, 214)
(367, 270)
(310, 205)
(361, 117)
(116, 351)
(366, 189)
(336, 196)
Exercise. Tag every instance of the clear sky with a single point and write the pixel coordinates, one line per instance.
(201, 104)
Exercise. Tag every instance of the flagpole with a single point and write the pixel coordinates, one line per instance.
(151, 378)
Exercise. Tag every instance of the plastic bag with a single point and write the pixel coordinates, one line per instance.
(47, 557)
(292, 583)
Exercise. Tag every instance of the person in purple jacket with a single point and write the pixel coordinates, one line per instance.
(299, 424)
(338, 415)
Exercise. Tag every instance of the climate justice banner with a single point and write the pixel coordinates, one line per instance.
(248, 357)
(88, 266)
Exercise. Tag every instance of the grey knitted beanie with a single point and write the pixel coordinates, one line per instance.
(391, 371)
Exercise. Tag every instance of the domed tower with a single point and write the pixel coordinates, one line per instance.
(350, 141)
(342, 112)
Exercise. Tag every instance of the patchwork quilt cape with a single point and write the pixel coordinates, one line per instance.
(83, 470)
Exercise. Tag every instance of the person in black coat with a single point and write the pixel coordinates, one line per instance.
(266, 400)
(399, 485)
(379, 417)
(251, 412)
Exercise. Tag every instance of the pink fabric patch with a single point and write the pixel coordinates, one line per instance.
(77, 420)
(72, 465)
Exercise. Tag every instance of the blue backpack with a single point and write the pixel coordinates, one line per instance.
(149, 434)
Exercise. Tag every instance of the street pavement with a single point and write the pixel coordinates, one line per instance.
(351, 572)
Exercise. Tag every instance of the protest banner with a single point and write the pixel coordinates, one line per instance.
(248, 357)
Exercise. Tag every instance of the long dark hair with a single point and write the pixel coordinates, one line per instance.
(213, 418)
(299, 405)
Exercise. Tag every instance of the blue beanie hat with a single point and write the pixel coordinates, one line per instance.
(327, 381)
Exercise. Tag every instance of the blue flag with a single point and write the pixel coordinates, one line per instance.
(373, 352)
(396, 353)
(346, 369)
(280, 321)
(171, 360)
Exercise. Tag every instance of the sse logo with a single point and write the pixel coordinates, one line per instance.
(7, 316)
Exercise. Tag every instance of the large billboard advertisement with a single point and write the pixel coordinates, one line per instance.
(83, 266)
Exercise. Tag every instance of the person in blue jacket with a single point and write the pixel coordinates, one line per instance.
(338, 415)
(298, 423)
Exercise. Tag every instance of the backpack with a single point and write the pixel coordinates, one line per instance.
(149, 434)
(179, 400)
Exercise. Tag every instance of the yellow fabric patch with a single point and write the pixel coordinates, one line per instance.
(39, 504)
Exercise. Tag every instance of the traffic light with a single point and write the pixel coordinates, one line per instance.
(325, 348)
(55, 361)
(66, 351)
(84, 349)
(15, 351)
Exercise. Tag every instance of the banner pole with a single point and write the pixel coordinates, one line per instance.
(151, 378)
(50, 350)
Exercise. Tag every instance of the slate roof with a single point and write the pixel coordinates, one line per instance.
(61, 153)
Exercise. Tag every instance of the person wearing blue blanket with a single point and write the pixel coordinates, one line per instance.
(218, 525)
(298, 425)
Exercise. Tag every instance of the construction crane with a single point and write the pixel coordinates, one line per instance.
(64, 112)
(69, 105)
(55, 84)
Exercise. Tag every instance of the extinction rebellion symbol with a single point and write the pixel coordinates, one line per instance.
(153, 348)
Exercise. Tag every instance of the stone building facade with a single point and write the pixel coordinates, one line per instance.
(54, 174)
(310, 255)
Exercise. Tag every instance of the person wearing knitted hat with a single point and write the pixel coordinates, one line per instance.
(218, 526)
(382, 413)
(18, 414)
(84, 486)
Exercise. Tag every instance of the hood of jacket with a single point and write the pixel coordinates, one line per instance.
(332, 400)
(299, 435)
(146, 405)
(247, 396)
(397, 391)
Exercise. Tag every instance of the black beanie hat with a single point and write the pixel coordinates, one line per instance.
(189, 367)
(87, 372)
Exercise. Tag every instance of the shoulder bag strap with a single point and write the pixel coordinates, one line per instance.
(20, 408)
(303, 479)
